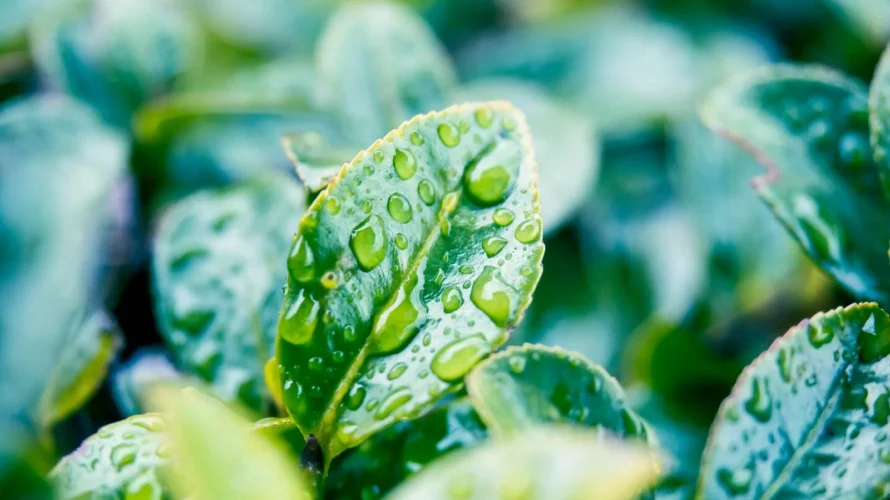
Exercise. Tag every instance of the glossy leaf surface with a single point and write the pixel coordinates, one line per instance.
(81, 368)
(378, 65)
(809, 417)
(409, 269)
(387, 458)
(566, 144)
(218, 267)
(809, 128)
(122, 460)
(551, 463)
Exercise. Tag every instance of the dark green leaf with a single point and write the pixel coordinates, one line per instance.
(407, 270)
(218, 267)
(808, 418)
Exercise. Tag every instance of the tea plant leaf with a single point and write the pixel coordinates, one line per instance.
(217, 271)
(531, 385)
(317, 162)
(217, 454)
(382, 462)
(407, 270)
(81, 369)
(378, 65)
(809, 127)
(551, 463)
(566, 144)
(122, 460)
(879, 118)
(807, 418)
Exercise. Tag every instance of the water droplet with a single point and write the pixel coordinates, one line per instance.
(397, 370)
(316, 364)
(784, 360)
(368, 169)
(416, 138)
(399, 208)
(151, 423)
(368, 242)
(490, 177)
(853, 149)
(298, 324)
(401, 241)
(456, 359)
(760, 404)
(393, 401)
(735, 482)
(509, 124)
(491, 296)
(301, 261)
(398, 320)
(427, 338)
(123, 455)
(451, 299)
(332, 205)
(881, 409)
(366, 207)
(819, 335)
(493, 245)
(378, 156)
(466, 270)
(349, 334)
(484, 117)
(516, 364)
(329, 280)
(449, 134)
(449, 202)
(529, 231)
(503, 217)
(338, 356)
(427, 192)
(356, 397)
(404, 164)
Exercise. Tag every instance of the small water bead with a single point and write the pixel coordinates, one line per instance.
(298, 324)
(366, 207)
(528, 231)
(396, 324)
(329, 280)
(427, 192)
(416, 138)
(399, 208)
(349, 334)
(819, 335)
(465, 270)
(301, 261)
(493, 245)
(735, 482)
(332, 205)
(368, 169)
(368, 242)
(853, 149)
(401, 241)
(449, 202)
(503, 217)
(456, 358)
(509, 124)
(404, 163)
(818, 131)
(784, 361)
(397, 370)
(490, 177)
(356, 397)
(484, 117)
(448, 134)
(463, 127)
(316, 364)
(338, 357)
(451, 299)
(123, 455)
(378, 156)
(516, 364)
(759, 405)
(393, 401)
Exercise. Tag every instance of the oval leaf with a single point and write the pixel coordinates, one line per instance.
(119, 461)
(217, 271)
(551, 463)
(533, 384)
(407, 270)
(808, 417)
(378, 65)
(809, 128)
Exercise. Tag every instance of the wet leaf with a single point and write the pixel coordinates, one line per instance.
(879, 118)
(122, 460)
(387, 458)
(809, 417)
(212, 445)
(551, 463)
(218, 267)
(81, 368)
(407, 270)
(378, 65)
(809, 128)
(566, 144)
(316, 160)
(146, 367)
(283, 429)
(522, 387)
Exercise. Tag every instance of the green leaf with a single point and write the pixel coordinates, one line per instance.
(879, 118)
(530, 385)
(407, 270)
(808, 417)
(217, 271)
(566, 144)
(283, 429)
(122, 460)
(82, 367)
(870, 18)
(378, 65)
(145, 368)
(551, 463)
(217, 454)
(387, 458)
(809, 127)
(317, 162)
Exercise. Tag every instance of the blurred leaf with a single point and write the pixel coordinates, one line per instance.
(317, 162)
(530, 385)
(879, 118)
(217, 455)
(120, 461)
(378, 65)
(809, 128)
(23, 465)
(82, 367)
(551, 463)
(117, 54)
(410, 243)
(387, 458)
(806, 419)
(566, 144)
(282, 429)
(217, 268)
(145, 368)
(872, 18)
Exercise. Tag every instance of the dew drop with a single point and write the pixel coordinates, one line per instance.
(401, 241)
(427, 192)
(490, 177)
(416, 138)
(404, 164)
(301, 261)
(819, 335)
(784, 360)
(392, 402)
(735, 482)
(493, 245)
(332, 205)
(491, 296)
(356, 397)
(484, 117)
(503, 217)
(298, 324)
(123, 455)
(366, 207)
(759, 405)
(516, 364)
(378, 156)
(451, 299)
(529, 231)
(316, 364)
(349, 334)
(368, 169)
(399, 208)
(396, 371)
(398, 321)
(368, 242)
(448, 134)
(456, 358)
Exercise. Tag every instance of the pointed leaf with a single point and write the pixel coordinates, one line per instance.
(530, 385)
(385, 460)
(807, 419)
(122, 460)
(217, 455)
(317, 162)
(551, 463)
(809, 127)
(566, 144)
(217, 270)
(378, 65)
(879, 117)
(407, 270)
